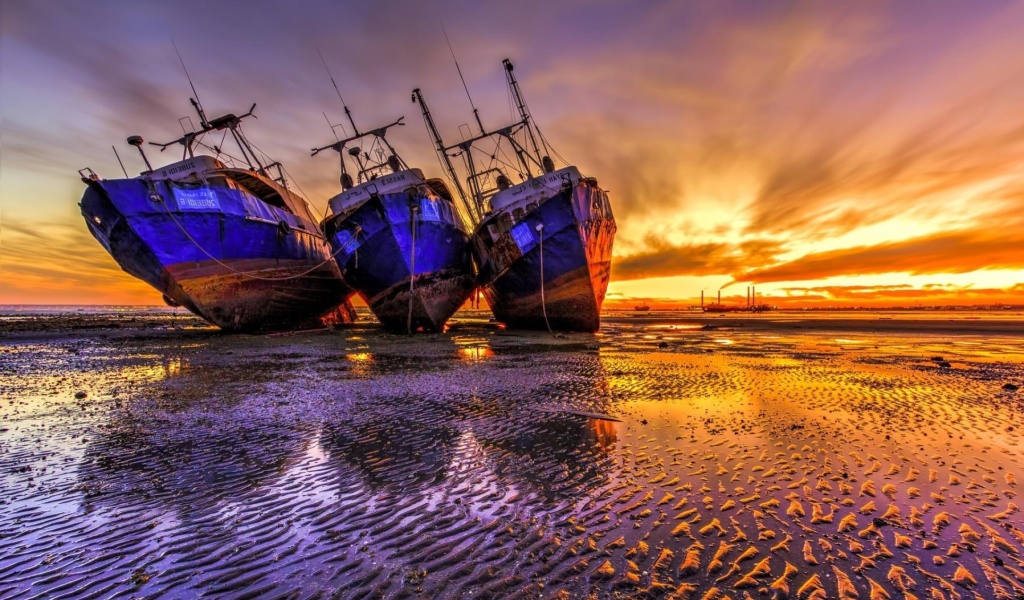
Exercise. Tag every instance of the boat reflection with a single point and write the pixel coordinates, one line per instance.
(473, 348)
(555, 455)
(398, 452)
(182, 462)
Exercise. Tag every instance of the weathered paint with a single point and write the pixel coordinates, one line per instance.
(578, 232)
(234, 301)
(376, 246)
(435, 297)
(219, 270)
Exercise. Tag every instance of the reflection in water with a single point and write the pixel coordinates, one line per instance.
(558, 456)
(474, 353)
(174, 366)
(473, 348)
(276, 467)
(181, 463)
(361, 364)
(423, 443)
(605, 433)
(400, 451)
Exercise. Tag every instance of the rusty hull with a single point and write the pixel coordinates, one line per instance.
(435, 297)
(260, 294)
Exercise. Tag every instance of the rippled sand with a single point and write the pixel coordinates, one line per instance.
(747, 462)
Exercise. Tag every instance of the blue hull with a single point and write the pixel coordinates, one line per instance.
(379, 258)
(578, 230)
(242, 265)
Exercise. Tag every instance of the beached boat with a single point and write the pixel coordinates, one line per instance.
(233, 245)
(397, 236)
(542, 246)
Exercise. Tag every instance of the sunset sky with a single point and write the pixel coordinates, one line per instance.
(830, 153)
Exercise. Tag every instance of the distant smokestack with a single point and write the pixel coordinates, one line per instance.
(719, 296)
(702, 298)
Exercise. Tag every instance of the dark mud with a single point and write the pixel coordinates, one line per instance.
(180, 462)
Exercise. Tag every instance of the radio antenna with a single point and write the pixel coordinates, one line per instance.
(348, 113)
(199, 105)
(476, 113)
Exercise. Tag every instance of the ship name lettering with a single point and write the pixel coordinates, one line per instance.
(179, 168)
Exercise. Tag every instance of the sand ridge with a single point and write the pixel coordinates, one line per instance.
(747, 463)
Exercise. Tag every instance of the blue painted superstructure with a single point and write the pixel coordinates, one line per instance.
(232, 245)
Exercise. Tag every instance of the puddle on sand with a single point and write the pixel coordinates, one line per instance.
(471, 465)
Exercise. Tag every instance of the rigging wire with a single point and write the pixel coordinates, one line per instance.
(234, 160)
(464, 207)
(533, 123)
(218, 147)
(302, 193)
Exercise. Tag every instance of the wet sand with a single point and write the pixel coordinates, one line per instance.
(829, 458)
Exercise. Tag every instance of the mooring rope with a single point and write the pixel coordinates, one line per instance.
(412, 269)
(249, 274)
(543, 302)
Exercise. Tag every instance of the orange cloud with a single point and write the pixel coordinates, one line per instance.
(959, 252)
(713, 258)
(61, 263)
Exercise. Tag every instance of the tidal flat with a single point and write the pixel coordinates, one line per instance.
(683, 457)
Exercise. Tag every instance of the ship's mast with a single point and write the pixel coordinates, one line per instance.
(473, 209)
(528, 161)
(521, 104)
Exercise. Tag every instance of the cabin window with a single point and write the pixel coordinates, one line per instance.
(518, 213)
(531, 207)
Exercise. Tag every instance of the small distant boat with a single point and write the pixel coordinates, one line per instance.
(398, 237)
(232, 245)
(542, 246)
(643, 308)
